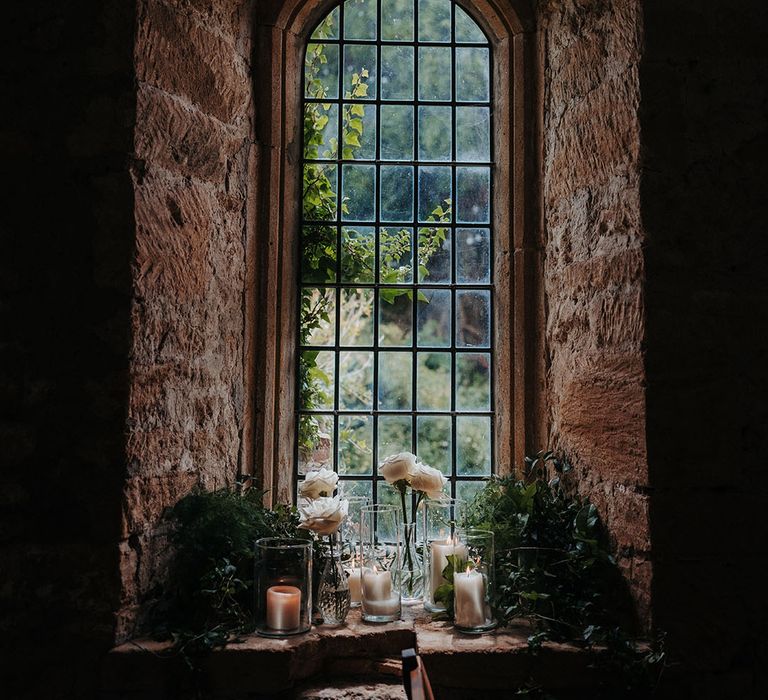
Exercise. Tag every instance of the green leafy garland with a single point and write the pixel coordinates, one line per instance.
(554, 570)
(208, 597)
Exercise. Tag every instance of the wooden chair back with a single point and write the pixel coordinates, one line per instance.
(415, 678)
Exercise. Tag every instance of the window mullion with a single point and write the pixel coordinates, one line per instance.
(415, 232)
(377, 230)
(454, 252)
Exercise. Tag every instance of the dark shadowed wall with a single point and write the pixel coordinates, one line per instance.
(704, 123)
(66, 243)
(126, 128)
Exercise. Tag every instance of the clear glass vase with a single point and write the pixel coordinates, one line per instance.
(380, 562)
(333, 596)
(411, 574)
(440, 518)
(473, 588)
(350, 549)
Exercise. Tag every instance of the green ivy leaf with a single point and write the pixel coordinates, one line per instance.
(444, 593)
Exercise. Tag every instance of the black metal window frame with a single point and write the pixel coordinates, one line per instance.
(339, 224)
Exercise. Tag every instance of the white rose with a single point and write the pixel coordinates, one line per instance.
(323, 515)
(318, 483)
(398, 467)
(429, 480)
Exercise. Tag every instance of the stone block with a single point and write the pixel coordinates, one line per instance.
(178, 137)
(180, 57)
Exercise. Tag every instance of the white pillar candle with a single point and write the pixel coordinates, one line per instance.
(388, 607)
(440, 551)
(283, 607)
(378, 598)
(469, 598)
(377, 585)
(355, 583)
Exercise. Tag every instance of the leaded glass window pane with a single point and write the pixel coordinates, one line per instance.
(396, 322)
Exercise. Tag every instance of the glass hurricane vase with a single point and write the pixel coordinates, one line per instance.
(282, 586)
(440, 519)
(380, 562)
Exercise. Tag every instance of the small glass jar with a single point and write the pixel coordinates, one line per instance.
(283, 586)
(440, 521)
(380, 550)
(473, 583)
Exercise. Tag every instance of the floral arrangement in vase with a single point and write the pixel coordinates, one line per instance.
(406, 472)
(323, 513)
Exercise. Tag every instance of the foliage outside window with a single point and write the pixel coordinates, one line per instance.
(396, 246)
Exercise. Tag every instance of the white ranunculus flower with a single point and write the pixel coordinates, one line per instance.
(323, 515)
(321, 482)
(428, 479)
(398, 467)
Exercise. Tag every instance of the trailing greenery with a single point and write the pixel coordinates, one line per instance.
(209, 594)
(553, 569)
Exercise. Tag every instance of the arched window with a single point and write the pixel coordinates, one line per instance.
(478, 59)
(396, 278)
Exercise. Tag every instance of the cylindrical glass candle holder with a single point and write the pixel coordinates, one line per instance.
(351, 530)
(380, 558)
(440, 521)
(473, 583)
(283, 586)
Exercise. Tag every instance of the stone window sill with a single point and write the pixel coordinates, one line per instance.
(257, 667)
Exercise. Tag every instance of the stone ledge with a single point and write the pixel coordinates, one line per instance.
(257, 667)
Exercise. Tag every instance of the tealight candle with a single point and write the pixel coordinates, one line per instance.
(469, 598)
(283, 608)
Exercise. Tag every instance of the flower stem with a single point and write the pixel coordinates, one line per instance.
(405, 510)
(331, 543)
(405, 531)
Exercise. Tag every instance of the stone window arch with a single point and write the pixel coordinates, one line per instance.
(282, 33)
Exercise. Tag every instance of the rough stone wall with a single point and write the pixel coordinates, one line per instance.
(593, 270)
(190, 173)
(704, 116)
(66, 239)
